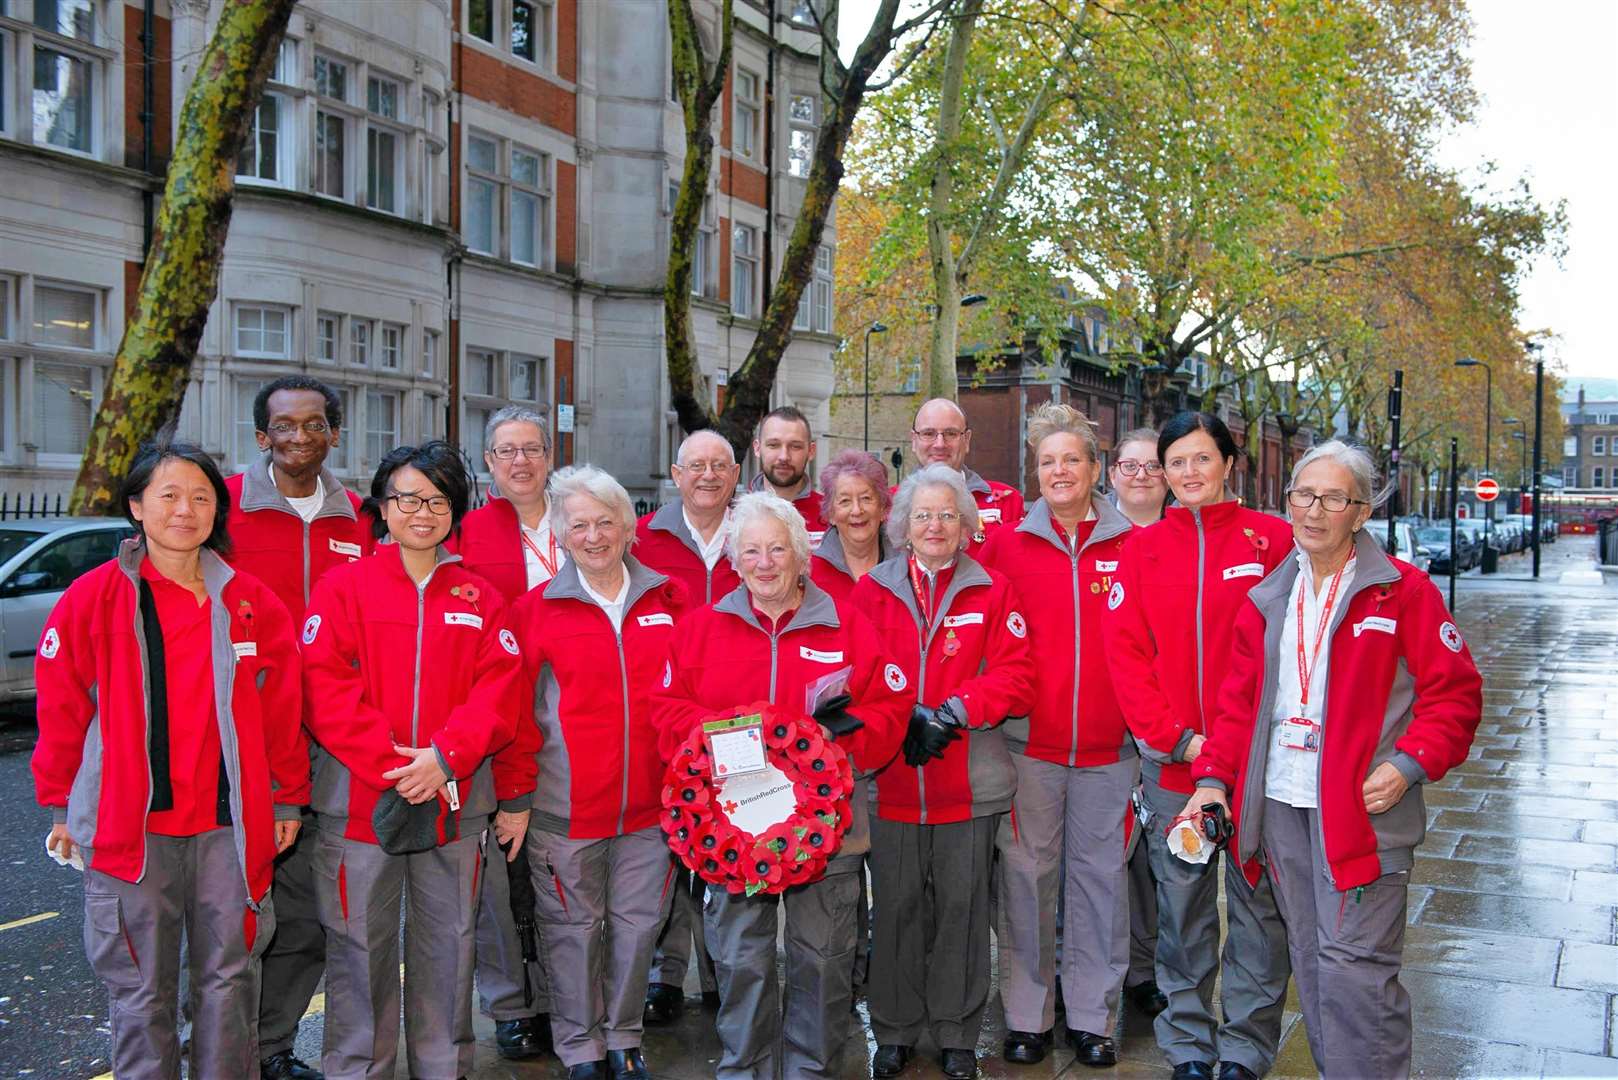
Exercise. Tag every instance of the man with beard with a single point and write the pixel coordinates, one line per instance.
(784, 448)
(941, 435)
(291, 521)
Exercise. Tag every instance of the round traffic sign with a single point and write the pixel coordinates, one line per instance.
(1488, 489)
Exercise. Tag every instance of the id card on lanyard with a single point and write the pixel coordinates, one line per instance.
(1300, 732)
(548, 563)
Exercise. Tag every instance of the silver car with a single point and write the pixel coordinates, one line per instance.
(39, 558)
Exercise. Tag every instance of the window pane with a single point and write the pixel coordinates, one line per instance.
(70, 18)
(259, 153)
(359, 341)
(483, 155)
(62, 106)
(524, 378)
(429, 352)
(382, 152)
(800, 319)
(5, 309)
(522, 29)
(381, 425)
(326, 338)
(430, 415)
(392, 343)
(64, 317)
(243, 444)
(480, 19)
(63, 404)
(801, 152)
(329, 154)
(331, 78)
(275, 331)
(801, 109)
(822, 292)
(525, 168)
(524, 227)
(382, 98)
(480, 226)
(472, 437)
(480, 372)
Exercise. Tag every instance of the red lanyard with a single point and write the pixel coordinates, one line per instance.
(528, 542)
(1312, 664)
(926, 586)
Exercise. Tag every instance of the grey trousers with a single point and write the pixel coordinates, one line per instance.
(930, 930)
(193, 889)
(600, 904)
(296, 957)
(1064, 836)
(762, 1036)
(1347, 949)
(1252, 968)
(360, 888)
(682, 936)
(1142, 913)
(498, 973)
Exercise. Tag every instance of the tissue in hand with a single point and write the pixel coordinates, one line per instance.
(76, 861)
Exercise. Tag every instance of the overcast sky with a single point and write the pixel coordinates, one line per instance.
(1548, 77)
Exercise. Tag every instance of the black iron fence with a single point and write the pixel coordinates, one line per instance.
(15, 504)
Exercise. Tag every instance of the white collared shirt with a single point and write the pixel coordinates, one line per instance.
(540, 538)
(710, 550)
(305, 506)
(1292, 775)
(615, 607)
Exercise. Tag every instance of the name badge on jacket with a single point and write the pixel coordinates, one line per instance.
(658, 618)
(463, 618)
(342, 547)
(1375, 622)
(1246, 569)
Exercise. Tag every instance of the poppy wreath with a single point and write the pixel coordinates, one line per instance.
(702, 836)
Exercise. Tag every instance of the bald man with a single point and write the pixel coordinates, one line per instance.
(941, 435)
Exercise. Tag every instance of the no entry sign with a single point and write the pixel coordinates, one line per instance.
(1488, 489)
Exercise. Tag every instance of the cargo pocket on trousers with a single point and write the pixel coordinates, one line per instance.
(263, 926)
(107, 943)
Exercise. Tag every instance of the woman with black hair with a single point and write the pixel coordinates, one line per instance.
(410, 682)
(1181, 584)
(173, 799)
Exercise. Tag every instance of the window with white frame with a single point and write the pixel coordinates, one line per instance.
(65, 316)
(263, 330)
(744, 138)
(804, 12)
(821, 288)
(477, 418)
(381, 424)
(524, 376)
(481, 224)
(702, 276)
(331, 128)
(478, 379)
(1570, 446)
(383, 146)
(432, 412)
(1598, 445)
(64, 100)
(244, 446)
(65, 399)
(480, 19)
(429, 353)
(391, 357)
(328, 328)
(359, 342)
(532, 30)
(530, 207)
(5, 308)
(1570, 476)
(268, 156)
(744, 270)
(5, 81)
(491, 379)
(508, 201)
(1596, 476)
(802, 121)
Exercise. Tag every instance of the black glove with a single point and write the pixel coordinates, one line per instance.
(1216, 826)
(931, 731)
(834, 717)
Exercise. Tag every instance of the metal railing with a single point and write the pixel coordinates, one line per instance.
(14, 505)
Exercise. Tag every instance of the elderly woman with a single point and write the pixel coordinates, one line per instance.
(769, 640)
(854, 488)
(171, 759)
(961, 644)
(1181, 584)
(1075, 762)
(595, 640)
(1348, 687)
(1136, 477)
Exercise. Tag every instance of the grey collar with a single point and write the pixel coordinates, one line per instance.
(1372, 567)
(1110, 522)
(260, 493)
(830, 548)
(216, 572)
(568, 584)
(893, 574)
(757, 484)
(974, 482)
(670, 518)
(817, 609)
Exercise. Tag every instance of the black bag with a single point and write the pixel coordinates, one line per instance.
(404, 828)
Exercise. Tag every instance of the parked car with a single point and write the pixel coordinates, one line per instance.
(1472, 528)
(1407, 545)
(39, 558)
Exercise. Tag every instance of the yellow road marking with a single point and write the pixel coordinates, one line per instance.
(41, 917)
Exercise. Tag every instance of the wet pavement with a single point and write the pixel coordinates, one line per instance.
(1511, 956)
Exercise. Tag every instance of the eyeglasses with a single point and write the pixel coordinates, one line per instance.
(949, 434)
(1129, 467)
(507, 452)
(700, 467)
(927, 517)
(313, 427)
(1332, 502)
(410, 503)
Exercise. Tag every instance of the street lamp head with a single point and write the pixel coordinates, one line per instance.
(1519, 435)
(1466, 361)
(878, 328)
(973, 299)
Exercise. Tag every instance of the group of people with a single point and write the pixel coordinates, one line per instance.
(284, 718)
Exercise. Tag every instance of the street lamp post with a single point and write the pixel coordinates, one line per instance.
(874, 328)
(1488, 437)
(1522, 471)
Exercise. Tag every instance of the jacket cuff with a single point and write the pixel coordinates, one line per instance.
(957, 713)
(1213, 782)
(288, 812)
(515, 805)
(1409, 768)
(58, 815)
(443, 763)
(1178, 753)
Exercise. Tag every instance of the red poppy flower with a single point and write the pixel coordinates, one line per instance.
(470, 593)
(778, 732)
(808, 744)
(245, 610)
(765, 868)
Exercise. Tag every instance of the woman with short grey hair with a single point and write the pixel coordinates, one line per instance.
(598, 485)
(1356, 459)
(932, 476)
(758, 506)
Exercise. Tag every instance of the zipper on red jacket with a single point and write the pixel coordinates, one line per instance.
(305, 525)
(623, 680)
(415, 685)
(1202, 559)
(1073, 746)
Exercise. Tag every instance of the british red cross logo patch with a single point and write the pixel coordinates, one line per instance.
(1450, 635)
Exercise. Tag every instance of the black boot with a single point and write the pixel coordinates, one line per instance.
(663, 1003)
(286, 1066)
(890, 1060)
(1024, 1047)
(523, 1039)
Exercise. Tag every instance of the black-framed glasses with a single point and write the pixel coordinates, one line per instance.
(1129, 467)
(1332, 502)
(410, 503)
(507, 452)
(312, 427)
(932, 435)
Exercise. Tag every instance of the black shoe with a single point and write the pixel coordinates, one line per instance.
(627, 1065)
(1193, 1070)
(523, 1039)
(663, 1003)
(589, 1070)
(1024, 1047)
(959, 1064)
(710, 1000)
(890, 1060)
(1096, 1051)
(286, 1066)
(1230, 1070)
(1146, 997)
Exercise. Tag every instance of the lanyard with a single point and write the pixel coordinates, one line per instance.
(550, 563)
(1324, 620)
(926, 586)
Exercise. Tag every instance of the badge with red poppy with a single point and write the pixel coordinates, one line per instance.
(469, 593)
(1259, 541)
(704, 814)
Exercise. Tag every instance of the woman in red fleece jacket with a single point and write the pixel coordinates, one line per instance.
(956, 633)
(1348, 688)
(1168, 636)
(410, 682)
(170, 755)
